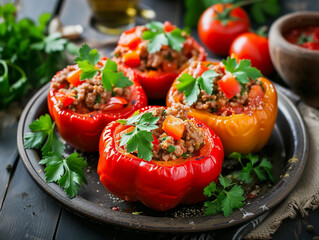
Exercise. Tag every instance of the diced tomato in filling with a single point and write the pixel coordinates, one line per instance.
(174, 127)
(229, 86)
(114, 103)
(65, 99)
(130, 40)
(132, 59)
(74, 77)
(168, 27)
(156, 145)
(199, 70)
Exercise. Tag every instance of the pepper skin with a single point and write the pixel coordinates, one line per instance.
(83, 131)
(159, 185)
(240, 132)
(156, 83)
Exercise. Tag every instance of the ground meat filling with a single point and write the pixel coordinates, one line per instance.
(218, 103)
(170, 149)
(167, 59)
(89, 95)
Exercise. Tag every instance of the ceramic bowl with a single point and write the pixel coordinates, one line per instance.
(297, 66)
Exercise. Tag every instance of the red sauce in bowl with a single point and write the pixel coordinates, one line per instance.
(306, 37)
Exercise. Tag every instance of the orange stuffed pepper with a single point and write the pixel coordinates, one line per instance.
(232, 98)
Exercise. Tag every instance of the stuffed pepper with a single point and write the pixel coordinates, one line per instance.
(84, 98)
(232, 98)
(157, 53)
(160, 157)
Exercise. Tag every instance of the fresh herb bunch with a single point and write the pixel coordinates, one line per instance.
(67, 172)
(259, 10)
(158, 37)
(242, 70)
(191, 86)
(263, 169)
(227, 196)
(110, 76)
(28, 58)
(141, 138)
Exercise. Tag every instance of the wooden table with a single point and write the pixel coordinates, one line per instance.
(26, 212)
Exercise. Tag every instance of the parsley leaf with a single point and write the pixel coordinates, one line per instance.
(227, 197)
(141, 138)
(242, 70)
(158, 37)
(110, 76)
(191, 86)
(263, 170)
(234, 199)
(171, 148)
(42, 129)
(68, 173)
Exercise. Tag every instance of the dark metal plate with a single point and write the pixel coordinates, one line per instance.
(287, 149)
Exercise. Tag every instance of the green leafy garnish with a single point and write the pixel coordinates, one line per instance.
(110, 76)
(141, 138)
(191, 86)
(68, 173)
(263, 170)
(171, 148)
(43, 132)
(304, 39)
(28, 57)
(158, 37)
(242, 70)
(227, 196)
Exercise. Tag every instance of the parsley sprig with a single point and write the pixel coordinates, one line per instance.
(110, 76)
(158, 37)
(67, 172)
(141, 138)
(191, 86)
(262, 170)
(227, 196)
(28, 57)
(242, 70)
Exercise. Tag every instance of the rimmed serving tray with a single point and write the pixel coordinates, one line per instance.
(287, 149)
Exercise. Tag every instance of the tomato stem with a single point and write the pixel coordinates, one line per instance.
(224, 15)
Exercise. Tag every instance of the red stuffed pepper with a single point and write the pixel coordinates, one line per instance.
(157, 53)
(159, 157)
(81, 109)
(232, 98)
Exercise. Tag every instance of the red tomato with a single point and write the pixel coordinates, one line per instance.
(255, 48)
(217, 36)
(229, 85)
